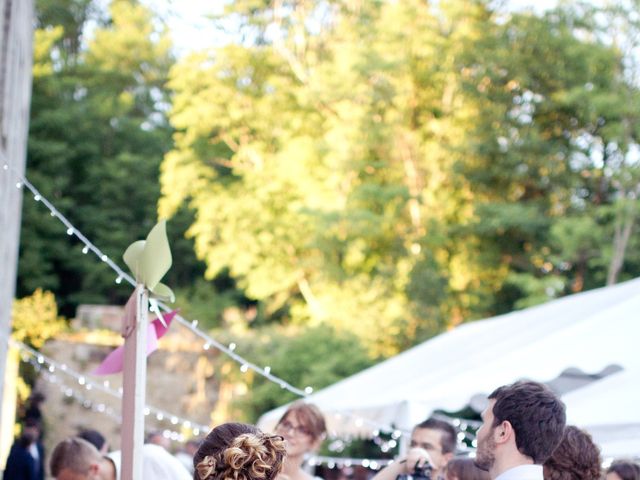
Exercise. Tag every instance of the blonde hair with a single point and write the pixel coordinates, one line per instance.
(236, 451)
(74, 454)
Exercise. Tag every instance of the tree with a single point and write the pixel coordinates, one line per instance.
(318, 161)
(98, 134)
(549, 89)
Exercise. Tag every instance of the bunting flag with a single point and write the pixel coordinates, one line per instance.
(114, 362)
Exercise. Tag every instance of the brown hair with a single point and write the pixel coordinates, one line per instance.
(74, 454)
(463, 468)
(448, 439)
(536, 415)
(309, 416)
(237, 451)
(576, 458)
(625, 469)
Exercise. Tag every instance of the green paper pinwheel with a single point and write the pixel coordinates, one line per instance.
(150, 259)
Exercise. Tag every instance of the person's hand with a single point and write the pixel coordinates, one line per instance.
(416, 458)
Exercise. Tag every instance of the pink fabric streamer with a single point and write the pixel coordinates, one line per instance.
(114, 362)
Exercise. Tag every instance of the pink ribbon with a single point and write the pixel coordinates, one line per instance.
(114, 362)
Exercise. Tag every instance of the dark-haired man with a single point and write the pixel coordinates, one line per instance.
(522, 425)
(433, 442)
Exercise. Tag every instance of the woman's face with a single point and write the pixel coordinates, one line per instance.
(298, 439)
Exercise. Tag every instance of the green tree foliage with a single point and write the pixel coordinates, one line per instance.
(394, 168)
(34, 319)
(547, 155)
(314, 357)
(98, 133)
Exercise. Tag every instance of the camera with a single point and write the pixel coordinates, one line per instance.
(422, 473)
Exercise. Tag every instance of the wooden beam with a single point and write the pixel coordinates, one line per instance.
(16, 38)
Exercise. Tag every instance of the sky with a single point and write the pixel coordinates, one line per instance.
(192, 30)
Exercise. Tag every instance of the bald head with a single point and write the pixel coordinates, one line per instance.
(74, 458)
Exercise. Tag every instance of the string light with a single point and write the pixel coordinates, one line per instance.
(192, 326)
(99, 407)
(39, 361)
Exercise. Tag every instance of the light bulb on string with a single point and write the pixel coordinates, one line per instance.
(267, 370)
(118, 279)
(308, 390)
(206, 346)
(70, 230)
(244, 368)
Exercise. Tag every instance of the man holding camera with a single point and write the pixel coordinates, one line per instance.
(433, 444)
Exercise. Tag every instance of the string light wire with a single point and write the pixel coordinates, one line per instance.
(209, 341)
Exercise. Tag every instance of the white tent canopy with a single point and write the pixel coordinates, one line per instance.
(609, 410)
(589, 331)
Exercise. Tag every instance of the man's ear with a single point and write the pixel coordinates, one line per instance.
(504, 432)
(94, 469)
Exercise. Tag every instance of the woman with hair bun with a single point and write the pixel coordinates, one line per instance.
(237, 451)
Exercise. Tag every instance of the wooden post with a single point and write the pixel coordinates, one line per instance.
(16, 38)
(134, 384)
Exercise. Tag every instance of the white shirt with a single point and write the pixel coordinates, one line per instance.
(157, 464)
(186, 460)
(522, 472)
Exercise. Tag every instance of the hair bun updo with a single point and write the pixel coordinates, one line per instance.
(239, 452)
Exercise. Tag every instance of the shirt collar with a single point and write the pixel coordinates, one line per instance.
(522, 472)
